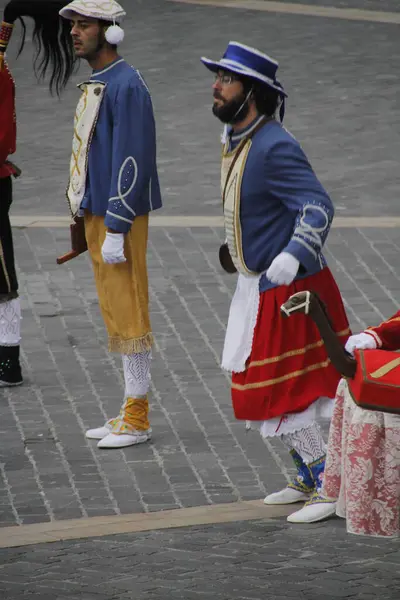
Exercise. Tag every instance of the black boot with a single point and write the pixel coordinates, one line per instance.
(10, 369)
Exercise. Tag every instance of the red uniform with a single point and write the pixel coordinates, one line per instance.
(387, 334)
(50, 35)
(8, 126)
(8, 278)
(10, 369)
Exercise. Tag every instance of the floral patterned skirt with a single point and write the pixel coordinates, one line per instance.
(363, 467)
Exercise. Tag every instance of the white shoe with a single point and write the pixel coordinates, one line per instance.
(286, 496)
(312, 513)
(121, 440)
(99, 433)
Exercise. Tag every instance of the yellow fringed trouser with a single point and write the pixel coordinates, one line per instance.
(124, 303)
(122, 287)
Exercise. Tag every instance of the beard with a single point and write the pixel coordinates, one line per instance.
(232, 112)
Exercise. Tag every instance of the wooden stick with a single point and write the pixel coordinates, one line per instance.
(68, 256)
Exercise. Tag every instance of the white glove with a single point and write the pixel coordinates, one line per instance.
(112, 250)
(283, 269)
(361, 341)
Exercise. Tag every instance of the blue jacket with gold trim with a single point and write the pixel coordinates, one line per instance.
(122, 179)
(283, 206)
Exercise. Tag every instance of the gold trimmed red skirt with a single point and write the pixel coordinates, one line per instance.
(288, 368)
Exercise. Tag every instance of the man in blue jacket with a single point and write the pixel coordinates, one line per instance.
(114, 186)
(277, 218)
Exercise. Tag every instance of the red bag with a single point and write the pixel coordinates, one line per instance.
(376, 384)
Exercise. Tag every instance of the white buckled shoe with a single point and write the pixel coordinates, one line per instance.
(316, 509)
(286, 496)
(122, 440)
(99, 432)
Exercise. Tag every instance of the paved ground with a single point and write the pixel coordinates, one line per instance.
(200, 454)
(342, 81)
(341, 77)
(239, 561)
(375, 5)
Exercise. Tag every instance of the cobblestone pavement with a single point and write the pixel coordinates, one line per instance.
(200, 454)
(378, 5)
(240, 561)
(375, 5)
(344, 106)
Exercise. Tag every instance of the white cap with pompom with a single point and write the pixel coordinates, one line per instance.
(104, 10)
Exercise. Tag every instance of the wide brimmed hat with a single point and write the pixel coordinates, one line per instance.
(249, 62)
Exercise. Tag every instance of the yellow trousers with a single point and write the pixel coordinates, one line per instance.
(123, 287)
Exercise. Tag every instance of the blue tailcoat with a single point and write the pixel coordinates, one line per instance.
(284, 207)
(122, 180)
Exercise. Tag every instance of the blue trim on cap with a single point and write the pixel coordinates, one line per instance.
(249, 62)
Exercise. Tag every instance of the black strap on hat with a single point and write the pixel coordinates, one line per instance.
(282, 104)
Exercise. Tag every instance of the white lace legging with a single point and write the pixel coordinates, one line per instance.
(10, 322)
(137, 373)
(308, 442)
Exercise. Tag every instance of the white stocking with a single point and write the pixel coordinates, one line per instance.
(10, 322)
(137, 374)
(308, 442)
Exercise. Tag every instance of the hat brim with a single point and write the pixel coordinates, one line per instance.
(216, 66)
(68, 13)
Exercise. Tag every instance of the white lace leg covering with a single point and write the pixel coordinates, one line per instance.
(10, 322)
(136, 373)
(308, 442)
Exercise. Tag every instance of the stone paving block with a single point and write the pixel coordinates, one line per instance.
(375, 5)
(199, 454)
(178, 554)
(334, 137)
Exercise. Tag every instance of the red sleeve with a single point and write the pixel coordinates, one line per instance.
(7, 115)
(387, 334)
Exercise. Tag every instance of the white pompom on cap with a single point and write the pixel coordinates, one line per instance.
(115, 35)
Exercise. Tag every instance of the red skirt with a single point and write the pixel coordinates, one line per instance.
(288, 368)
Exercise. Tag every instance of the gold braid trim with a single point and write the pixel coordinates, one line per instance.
(5, 35)
(291, 353)
(132, 346)
(292, 375)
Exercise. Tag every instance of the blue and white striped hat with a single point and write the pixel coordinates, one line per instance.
(247, 61)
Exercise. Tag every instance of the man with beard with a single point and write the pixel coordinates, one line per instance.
(53, 53)
(114, 186)
(277, 218)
